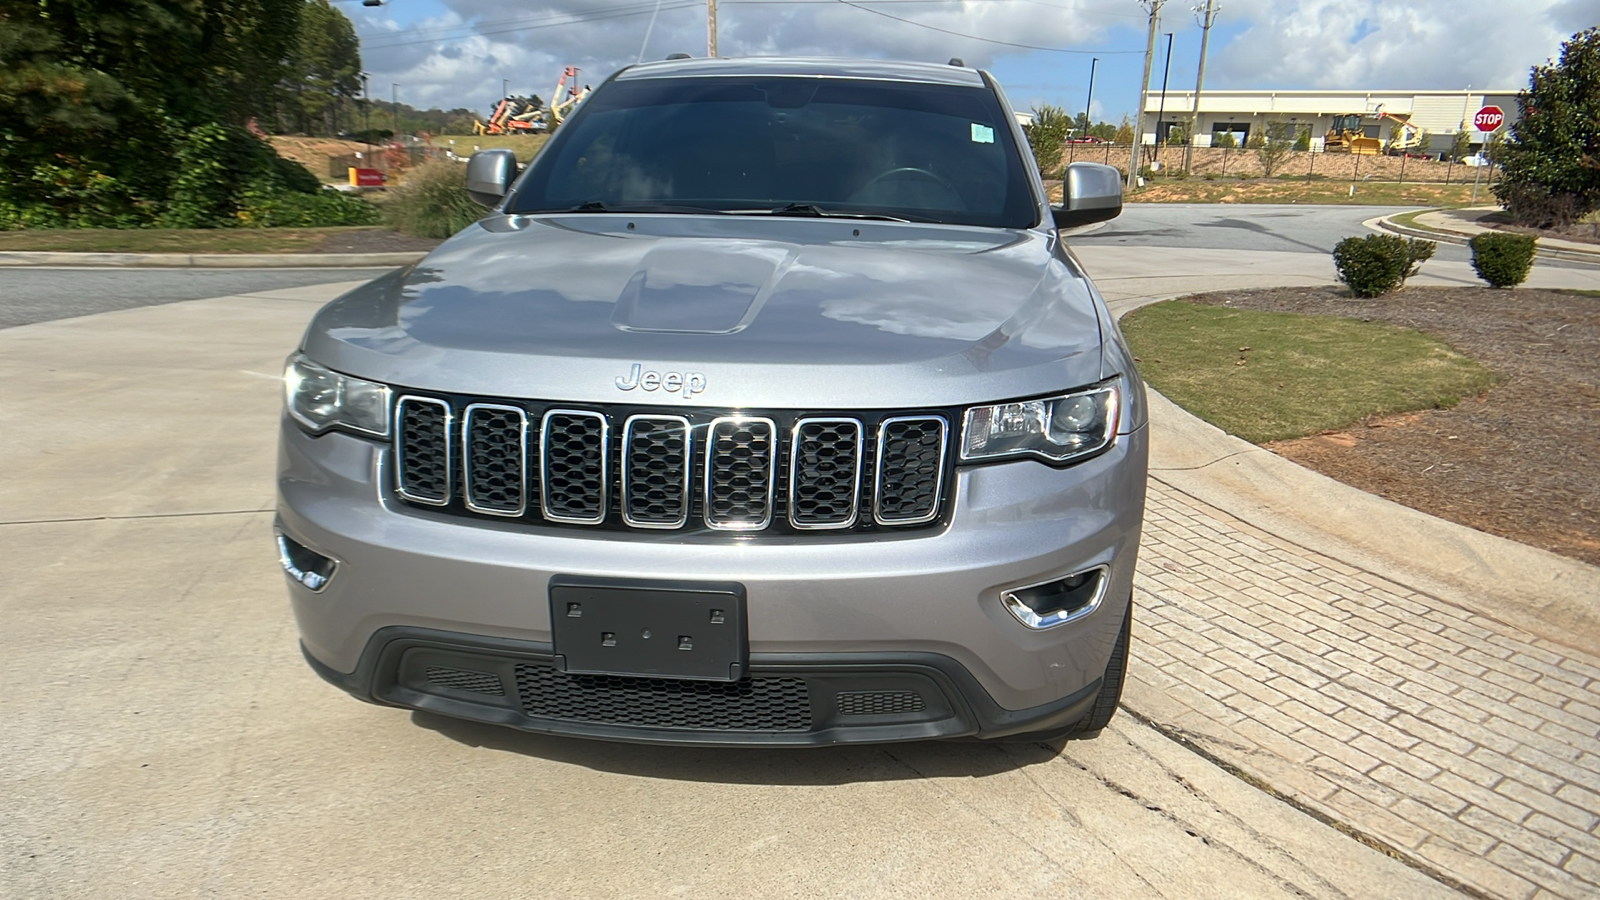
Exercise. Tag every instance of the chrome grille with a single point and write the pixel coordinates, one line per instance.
(910, 469)
(655, 471)
(572, 466)
(422, 449)
(638, 468)
(741, 467)
(825, 473)
(494, 458)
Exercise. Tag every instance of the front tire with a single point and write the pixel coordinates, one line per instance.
(1105, 703)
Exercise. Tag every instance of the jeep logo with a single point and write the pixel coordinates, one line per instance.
(690, 383)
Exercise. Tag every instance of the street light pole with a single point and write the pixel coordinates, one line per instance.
(366, 120)
(505, 87)
(1161, 111)
(1088, 102)
(1144, 89)
(394, 102)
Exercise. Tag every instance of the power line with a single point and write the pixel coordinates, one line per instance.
(985, 40)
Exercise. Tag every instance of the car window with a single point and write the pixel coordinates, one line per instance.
(929, 152)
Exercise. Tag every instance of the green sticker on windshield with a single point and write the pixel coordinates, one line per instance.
(982, 134)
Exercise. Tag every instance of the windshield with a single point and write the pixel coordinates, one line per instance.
(786, 146)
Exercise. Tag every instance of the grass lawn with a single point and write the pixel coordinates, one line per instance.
(1267, 376)
(525, 145)
(1302, 190)
(173, 240)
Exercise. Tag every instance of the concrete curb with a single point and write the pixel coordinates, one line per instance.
(211, 260)
(1387, 223)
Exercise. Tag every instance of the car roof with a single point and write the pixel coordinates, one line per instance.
(817, 67)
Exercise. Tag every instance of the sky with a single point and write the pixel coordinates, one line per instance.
(455, 53)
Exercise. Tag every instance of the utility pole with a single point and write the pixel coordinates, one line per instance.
(1161, 112)
(1089, 102)
(1144, 89)
(505, 87)
(711, 28)
(394, 102)
(1207, 17)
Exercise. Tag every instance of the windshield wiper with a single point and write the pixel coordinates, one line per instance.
(603, 207)
(813, 210)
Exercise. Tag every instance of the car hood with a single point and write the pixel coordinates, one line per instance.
(768, 312)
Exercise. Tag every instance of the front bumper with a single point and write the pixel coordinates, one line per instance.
(835, 598)
(787, 700)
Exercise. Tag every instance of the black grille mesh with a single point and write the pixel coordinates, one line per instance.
(680, 470)
(911, 461)
(879, 703)
(424, 440)
(740, 481)
(656, 489)
(494, 463)
(466, 680)
(826, 466)
(754, 704)
(574, 466)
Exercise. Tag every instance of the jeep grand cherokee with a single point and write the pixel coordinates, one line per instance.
(766, 406)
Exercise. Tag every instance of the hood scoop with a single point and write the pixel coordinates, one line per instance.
(682, 288)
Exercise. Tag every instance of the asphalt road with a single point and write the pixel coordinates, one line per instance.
(1252, 227)
(40, 295)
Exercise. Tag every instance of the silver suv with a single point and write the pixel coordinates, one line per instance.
(767, 406)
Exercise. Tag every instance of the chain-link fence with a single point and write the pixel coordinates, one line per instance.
(1226, 162)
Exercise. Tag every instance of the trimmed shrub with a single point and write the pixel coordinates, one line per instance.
(1418, 251)
(1501, 258)
(1373, 265)
(432, 202)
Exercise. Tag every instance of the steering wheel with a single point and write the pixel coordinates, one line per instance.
(903, 171)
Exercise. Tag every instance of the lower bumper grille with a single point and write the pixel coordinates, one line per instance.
(753, 704)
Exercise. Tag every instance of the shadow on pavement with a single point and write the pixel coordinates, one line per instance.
(812, 766)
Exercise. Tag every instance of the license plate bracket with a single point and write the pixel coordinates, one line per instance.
(649, 629)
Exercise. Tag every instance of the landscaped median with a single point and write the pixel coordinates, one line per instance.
(1474, 405)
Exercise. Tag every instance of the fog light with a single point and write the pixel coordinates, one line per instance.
(1057, 602)
(307, 566)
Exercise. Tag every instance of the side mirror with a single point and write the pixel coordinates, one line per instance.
(489, 175)
(1090, 193)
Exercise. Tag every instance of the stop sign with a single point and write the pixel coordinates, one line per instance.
(1488, 119)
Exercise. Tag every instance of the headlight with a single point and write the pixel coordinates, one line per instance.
(320, 399)
(1054, 429)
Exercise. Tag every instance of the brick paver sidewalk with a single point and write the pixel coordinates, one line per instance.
(1469, 747)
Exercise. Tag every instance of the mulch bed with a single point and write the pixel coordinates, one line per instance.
(1523, 460)
(374, 240)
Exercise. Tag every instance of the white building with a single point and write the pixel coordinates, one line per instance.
(1242, 113)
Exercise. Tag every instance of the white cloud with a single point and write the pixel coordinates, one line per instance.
(1380, 44)
(459, 55)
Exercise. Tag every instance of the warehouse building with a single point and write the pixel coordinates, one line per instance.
(1238, 114)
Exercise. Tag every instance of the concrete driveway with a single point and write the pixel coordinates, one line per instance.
(163, 738)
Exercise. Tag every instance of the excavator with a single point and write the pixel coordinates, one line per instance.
(1345, 135)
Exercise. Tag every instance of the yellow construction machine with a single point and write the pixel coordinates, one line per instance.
(1346, 135)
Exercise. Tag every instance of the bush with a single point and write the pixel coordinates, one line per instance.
(1372, 265)
(1503, 259)
(1047, 138)
(432, 202)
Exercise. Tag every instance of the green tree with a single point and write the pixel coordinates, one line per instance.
(1551, 163)
(130, 112)
(1461, 143)
(1302, 139)
(1224, 139)
(1047, 137)
(1273, 144)
(1124, 132)
(324, 75)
